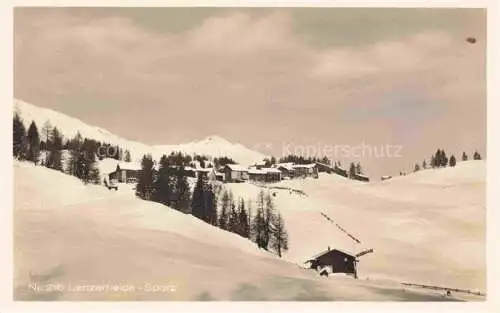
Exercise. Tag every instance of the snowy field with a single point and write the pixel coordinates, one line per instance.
(71, 239)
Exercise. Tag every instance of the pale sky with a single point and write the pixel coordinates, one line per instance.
(264, 77)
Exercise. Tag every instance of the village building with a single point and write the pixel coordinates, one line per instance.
(126, 172)
(305, 170)
(361, 177)
(334, 261)
(266, 175)
(235, 173)
(286, 169)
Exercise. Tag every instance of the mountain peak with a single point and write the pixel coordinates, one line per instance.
(215, 139)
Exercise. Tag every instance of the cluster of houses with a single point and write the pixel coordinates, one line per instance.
(128, 172)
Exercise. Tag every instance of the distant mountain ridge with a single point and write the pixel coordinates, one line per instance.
(212, 146)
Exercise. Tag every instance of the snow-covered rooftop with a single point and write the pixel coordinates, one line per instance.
(304, 165)
(237, 167)
(132, 166)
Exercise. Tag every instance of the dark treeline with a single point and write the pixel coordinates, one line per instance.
(440, 159)
(298, 159)
(76, 156)
(168, 185)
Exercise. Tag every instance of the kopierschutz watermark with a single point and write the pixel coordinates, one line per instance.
(335, 151)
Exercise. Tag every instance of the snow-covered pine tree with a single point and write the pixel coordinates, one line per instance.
(433, 161)
(182, 192)
(33, 143)
(224, 213)
(464, 157)
(269, 213)
(352, 170)
(258, 224)
(243, 225)
(163, 184)
(453, 161)
(424, 165)
(19, 141)
(198, 199)
(210, 205)
(47, 134)
(54, 158)
(476, 156)
(279, 239)
(233, 223)
(359, 170)
(416, 168)
(127, 156)
(144, 188)
(444, 159)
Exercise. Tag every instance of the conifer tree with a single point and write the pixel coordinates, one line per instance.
(243, 225)
(268, 219)
(476, 156)
(54, 158)
(279, 240)
(182, 192)
(464, 157)
(127, 157)
(416, 168)
(210, 205)
(144, 188)
(198, 200)
(433, 161)
(19, 141)
(225, 207)
(233, 216)
(453, 161)
(47, 134)
(259, 223)
(33, 143)
(164, 183)
(358, 169)
(352, 170)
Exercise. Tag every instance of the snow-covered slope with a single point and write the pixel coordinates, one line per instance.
(214, 146)
(78, 242)
(425, 228)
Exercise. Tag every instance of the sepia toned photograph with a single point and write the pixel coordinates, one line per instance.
(249, 154)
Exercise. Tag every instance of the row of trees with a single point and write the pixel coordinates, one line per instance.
(168, 185)
(354, 170)
(439, 159)
(298, 159)
(46, 148)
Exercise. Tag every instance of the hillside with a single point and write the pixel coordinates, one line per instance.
(213, 146)
(417, 224)
(71, 239)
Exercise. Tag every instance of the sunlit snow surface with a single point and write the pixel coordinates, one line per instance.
(425, 228)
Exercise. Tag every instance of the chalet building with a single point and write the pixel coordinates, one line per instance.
(126, 172)
(340, 171)
(336, 169)
(305, 170)
(361, 178)
(265, 175)
(336, 261)
(189, 171)
(235, 173)
(219, 176)
(286, 169)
